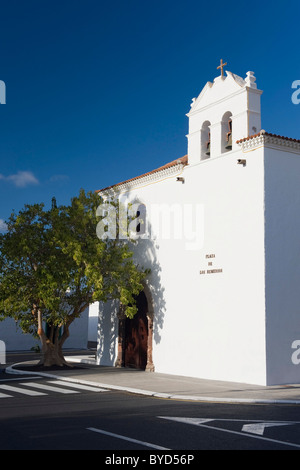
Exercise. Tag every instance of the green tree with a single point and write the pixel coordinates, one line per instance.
(53, 266)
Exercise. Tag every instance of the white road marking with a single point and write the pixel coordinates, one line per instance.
(79, 386)
(3, 395)
(49, 387)
(197, 422)
(24, 391)
(129, 439)
(259, 428)
(18, 378)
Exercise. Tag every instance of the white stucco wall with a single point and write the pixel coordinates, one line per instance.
(209, 325)
(13, 337)
(217, 319)
(93, 322)
(282, 201)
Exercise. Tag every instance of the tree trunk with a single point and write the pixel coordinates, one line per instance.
(52, 354)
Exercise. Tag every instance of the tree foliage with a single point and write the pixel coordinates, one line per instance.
(53, 266)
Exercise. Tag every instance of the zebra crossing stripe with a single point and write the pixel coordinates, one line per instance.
(23, 391)
(64, 387)
(79, 386)
(49, 387)
(3, 395)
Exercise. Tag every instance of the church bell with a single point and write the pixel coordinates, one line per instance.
(228, 146)
(208, 146)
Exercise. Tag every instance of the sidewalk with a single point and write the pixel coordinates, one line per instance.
(165, 386)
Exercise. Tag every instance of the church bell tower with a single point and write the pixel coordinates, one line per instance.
(227, 110)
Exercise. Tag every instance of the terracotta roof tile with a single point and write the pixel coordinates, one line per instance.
(268, 134)
(182, 160)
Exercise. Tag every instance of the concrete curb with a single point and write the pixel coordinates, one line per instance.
(11, 370)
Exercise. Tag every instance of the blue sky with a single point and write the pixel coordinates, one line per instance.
(97, 92)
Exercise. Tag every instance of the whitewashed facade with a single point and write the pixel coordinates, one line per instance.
(222, 234)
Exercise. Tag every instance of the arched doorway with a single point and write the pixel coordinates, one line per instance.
(136, 336)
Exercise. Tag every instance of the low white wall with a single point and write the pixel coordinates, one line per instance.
(16, 340)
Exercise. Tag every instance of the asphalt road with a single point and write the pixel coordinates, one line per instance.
(34, 417)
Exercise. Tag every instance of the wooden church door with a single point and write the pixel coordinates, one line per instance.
(136, 336)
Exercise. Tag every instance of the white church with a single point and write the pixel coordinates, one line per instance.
(220, 230)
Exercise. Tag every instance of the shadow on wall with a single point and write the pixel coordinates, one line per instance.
(145, 256)
(107, 332)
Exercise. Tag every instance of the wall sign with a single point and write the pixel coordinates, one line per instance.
(210, 268)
